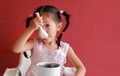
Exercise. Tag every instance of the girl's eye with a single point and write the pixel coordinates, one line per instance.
(47, 25)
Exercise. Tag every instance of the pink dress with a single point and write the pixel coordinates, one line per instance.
(43, 54)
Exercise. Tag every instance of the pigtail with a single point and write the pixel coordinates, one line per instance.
(28, 21)
(59, 38)
(67, 18)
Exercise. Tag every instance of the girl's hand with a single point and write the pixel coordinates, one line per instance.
(36, 23)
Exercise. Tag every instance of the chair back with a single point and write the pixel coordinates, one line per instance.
(22, 67)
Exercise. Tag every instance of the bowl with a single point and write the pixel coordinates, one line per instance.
(48, 69)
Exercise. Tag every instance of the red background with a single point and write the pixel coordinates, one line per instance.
(94, 32)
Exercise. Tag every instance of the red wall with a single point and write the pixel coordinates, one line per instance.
(94, 32)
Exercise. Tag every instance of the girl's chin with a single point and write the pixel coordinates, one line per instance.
(42, 38)
(45, 39)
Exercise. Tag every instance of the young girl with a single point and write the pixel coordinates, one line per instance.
(49, 49)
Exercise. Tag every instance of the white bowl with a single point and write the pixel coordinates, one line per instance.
(48, 69)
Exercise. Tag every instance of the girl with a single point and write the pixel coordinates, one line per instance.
(49, 49)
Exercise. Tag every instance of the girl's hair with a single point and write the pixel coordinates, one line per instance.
(56, 13)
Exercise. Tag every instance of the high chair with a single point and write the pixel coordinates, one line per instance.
(21, 69)
(24, 64)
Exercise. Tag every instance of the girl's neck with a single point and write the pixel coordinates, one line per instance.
(51, 45)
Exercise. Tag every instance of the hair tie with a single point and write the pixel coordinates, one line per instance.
(61, 11)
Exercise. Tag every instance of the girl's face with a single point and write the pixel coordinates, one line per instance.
(51, 26)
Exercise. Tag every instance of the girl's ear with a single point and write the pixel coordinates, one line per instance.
(59, 26)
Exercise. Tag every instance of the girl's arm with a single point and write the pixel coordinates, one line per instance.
(77, 63)
(24, 43)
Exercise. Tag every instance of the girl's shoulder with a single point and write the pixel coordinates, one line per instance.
(64, 45)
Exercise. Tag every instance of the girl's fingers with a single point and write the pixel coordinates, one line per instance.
(36, 22)
(39, 17)
(41, 20)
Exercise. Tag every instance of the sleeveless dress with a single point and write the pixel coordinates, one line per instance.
(43, 54)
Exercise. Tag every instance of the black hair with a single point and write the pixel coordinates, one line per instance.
(67, 18)
(56, 13)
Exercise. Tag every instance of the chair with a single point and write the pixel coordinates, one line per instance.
(24, 64)
(69, 71)
(21, 69)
